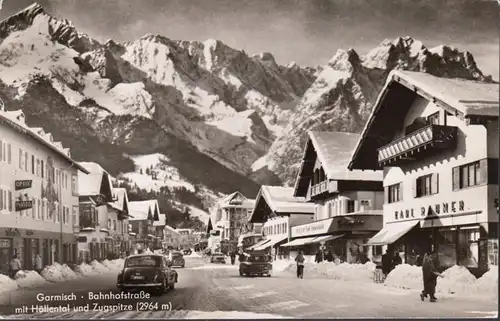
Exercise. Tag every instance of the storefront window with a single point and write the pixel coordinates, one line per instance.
(446, 247)
(5, 255)
(468, 247)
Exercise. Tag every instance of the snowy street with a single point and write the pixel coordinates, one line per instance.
(205, 287)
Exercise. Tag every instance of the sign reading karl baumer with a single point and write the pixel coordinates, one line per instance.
(436, 209)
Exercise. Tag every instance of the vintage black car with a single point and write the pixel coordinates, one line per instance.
(177, 259)
(218, 258)
(255, 263)
(147, 272)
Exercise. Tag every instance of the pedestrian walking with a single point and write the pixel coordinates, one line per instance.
(329, 256)
(233, 257)
(38, 264)
(15, 266)
(300, 265)
(386, 263)
(429, 277)
(396, 260)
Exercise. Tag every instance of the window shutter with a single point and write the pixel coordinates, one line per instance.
(1, 199)
(456, 178)
(435, 183)
(9, 153)
(10, 201)
(483, 172)
(1, 150)
(414, 187)
(401, 196)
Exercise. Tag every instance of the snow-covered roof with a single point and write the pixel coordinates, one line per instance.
(245, 202)
(472, 98)
(140, 209)
(465, 98)
(121, 199)
(89, 185)
(171, 229)
(281, 200)
(161, 220)
(17, 120)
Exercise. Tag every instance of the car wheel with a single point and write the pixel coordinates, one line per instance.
(172, 286)
(165, 286)
(241, 273)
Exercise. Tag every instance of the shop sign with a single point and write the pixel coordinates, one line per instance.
(320, 227)
(23, 205)
(12, 232)
(23, 184)
(431, 210)
(349, 221)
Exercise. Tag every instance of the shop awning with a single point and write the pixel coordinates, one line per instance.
(300, 242)
(258, 244)
(326, 238)
(272, 242)
(392, 232)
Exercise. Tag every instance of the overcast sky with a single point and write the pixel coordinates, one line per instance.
(306, 31)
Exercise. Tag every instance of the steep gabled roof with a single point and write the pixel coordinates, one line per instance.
(171, 229)
(280, 200)
(121, 199)
(227, 200)
(463, 98)
(333, 150)
(161, 221)
(97, 182)
(143, 210)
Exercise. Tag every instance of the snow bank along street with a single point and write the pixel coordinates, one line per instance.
(208, 290)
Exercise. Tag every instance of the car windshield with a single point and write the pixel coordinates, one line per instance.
(154, 261)
(257, 258)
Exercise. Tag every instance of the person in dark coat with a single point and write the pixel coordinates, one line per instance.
(429, 277)
(386, 263)
(329, 256)
(233, 257)
(300, 265)
(396, 260)
(319, 257)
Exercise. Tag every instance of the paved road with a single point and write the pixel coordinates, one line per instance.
(210, 287)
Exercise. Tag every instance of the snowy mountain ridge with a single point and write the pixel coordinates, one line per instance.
(214, 118)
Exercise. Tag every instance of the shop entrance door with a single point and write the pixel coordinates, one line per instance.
(5, 255)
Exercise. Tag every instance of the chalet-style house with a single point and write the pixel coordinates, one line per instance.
(159, 231)
(119, 227)
(38, 195)
(348, 204)
(437, 141)
(232, 214)
(278, 210)
(95, 240)
(172, 238)
(144, 214)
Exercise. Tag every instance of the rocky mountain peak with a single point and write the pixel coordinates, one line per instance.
(345, 60)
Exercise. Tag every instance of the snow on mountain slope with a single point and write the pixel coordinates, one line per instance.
(164, 175)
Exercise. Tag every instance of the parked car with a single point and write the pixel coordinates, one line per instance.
(218, 258)
(177, 259)
(187, 251)
(147, 272)
(255, 263)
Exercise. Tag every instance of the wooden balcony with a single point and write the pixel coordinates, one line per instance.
(418, 144)
(319, 188)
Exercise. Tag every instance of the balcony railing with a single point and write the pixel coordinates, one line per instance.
(319, 188)
(413, 145)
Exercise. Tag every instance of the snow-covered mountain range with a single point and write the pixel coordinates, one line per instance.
(205, 117)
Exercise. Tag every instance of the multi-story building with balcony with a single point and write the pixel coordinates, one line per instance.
(120, 226)
(278, 210)
(38, 195)
(232, 215)
(172, 238)
(96, 235)
(437, 141)
(348, 204)
(143, 215)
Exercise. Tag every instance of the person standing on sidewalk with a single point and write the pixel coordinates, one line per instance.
(233, 257)
(15, 266)
(429, 276)
(300, 265)
(38, 264)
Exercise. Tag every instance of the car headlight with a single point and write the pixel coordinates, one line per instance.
(157, 276)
